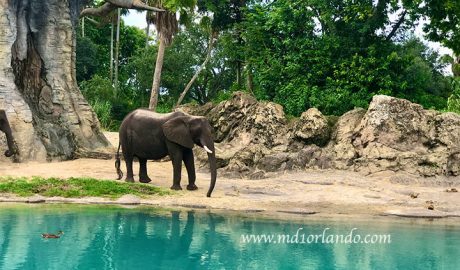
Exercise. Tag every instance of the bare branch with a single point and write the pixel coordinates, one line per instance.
(110, 5)
(397, 25)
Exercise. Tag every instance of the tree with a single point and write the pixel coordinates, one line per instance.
(38, 87)
(224, 15)
(212, 37)
(335, 55)
(167, 26)
(444, 22)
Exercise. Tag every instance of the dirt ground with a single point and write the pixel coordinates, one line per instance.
(323, 192)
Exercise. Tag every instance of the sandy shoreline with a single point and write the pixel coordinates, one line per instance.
(306, 193)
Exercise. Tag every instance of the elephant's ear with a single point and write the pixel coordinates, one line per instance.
(176, 130)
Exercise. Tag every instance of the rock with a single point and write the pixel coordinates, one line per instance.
(244, 160)
(312, 128)
(342, 137)
(257, 175)
(298, 212)
(273, 162)
(254, 138)
(128, 200)
(420, 213)
(453, 164)
(403, 179)
(398, 135)
(36, 199)
(195, 109)
(244, 119)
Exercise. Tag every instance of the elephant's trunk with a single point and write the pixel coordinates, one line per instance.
(213, 168)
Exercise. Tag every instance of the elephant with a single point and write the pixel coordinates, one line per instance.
(148, 135)
(5, 127)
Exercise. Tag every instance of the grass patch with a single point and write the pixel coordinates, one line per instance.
(75, 187)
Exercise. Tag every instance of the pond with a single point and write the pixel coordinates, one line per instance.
(102, 237)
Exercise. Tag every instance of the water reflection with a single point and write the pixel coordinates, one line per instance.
(116, 238)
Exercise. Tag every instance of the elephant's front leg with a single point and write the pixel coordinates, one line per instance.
(176, 158)
(190, 166)
(143, 176)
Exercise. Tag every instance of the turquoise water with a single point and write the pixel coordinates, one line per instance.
(118, 238)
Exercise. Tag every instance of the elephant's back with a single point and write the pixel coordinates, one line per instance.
(148, 115)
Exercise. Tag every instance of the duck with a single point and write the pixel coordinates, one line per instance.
(50, 235)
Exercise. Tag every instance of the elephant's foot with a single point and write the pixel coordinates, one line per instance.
(192, 187)
(145, 179)
(176, 187)
(129, 179)
(8, 153)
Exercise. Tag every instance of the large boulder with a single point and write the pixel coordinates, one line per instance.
(312, 128)
(342, 137)
(396, 134)
(244, 130)
(244, 119)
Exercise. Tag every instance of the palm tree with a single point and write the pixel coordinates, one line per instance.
(150, 19)
(167, 26)
(117, 53)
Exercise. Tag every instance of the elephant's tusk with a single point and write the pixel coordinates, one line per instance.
(207, 149)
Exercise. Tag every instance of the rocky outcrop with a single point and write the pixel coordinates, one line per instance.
(255, 138)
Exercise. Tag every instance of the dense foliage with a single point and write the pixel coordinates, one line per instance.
(333, 55)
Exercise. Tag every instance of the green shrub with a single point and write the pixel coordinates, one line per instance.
(103, 110)
(453, 103)
(97, 88)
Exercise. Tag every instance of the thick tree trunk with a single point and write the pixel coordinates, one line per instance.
(157, 75)
(48, 114)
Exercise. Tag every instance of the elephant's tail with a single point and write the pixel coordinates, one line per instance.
(117, 163)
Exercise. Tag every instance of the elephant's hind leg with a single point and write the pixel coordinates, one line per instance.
(129, 168)
(190, 166)
(143, 176)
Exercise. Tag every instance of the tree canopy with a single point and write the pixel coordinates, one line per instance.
(330, 54)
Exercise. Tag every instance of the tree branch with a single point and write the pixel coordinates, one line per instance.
(397, 25)
(110, 5)
(212, 38)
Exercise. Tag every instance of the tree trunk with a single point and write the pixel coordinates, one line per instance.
(117, 54)
(249, 79)
(83, 27)
(456, 66)
(238, 73)
(147, 33)
(38, 88)
(203, 65)
(157, 75)
(111, 52)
